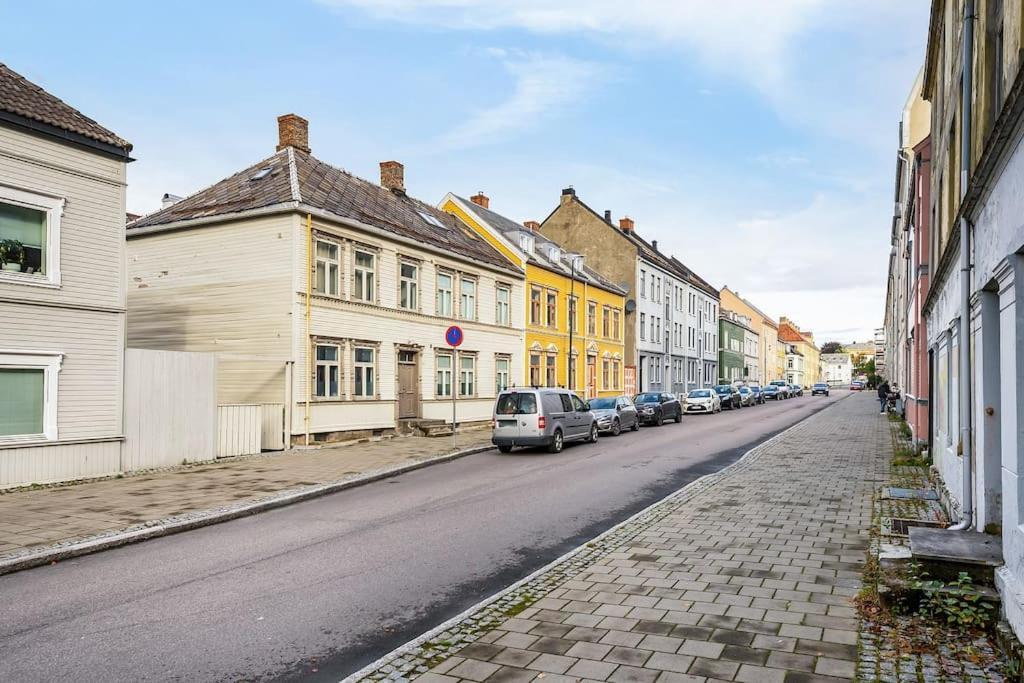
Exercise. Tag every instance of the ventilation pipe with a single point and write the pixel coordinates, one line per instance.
(966, 417)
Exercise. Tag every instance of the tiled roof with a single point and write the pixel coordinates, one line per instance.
(293, 177)
(790, 334)
(511, 229)
(22, 98)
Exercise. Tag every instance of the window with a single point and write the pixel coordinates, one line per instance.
(592, 318)
(573, 302)
(28, 396)
(502, 373)
(328, 371)
(617, 374)
(643, 284)
(616, 328)
(444, 375)
(552, 375)
(33, 221)
(467, 375)
(606, 374)
(328, 268)
(643, 326)
(365, 271)
(654, 337)
(572, 371)
(467, 299)
(502, 305)
(444, 294)
(606, 322)
(408, 288)
(534, 369)
(552, 306)
(364, 372)
(535, 304)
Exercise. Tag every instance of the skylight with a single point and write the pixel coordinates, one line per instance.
(430, 218)
(262, 173)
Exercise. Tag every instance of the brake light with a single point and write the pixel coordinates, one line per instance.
(542, 422)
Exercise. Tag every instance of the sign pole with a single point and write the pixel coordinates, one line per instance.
(453, 337)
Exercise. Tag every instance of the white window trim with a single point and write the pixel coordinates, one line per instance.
(317, 260)
(338, 363)
(503, 309)
(413, 281)
(371, 366)
(54, 208)
(358, 269)
(50, 363)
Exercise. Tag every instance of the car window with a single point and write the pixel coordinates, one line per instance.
(603, 403)
(646, 398)
(566, 402)
(580, 406)
(516, 404)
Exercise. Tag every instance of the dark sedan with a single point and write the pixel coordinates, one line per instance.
(758, 394)
(819, 388)
(655, 408)
(772, 392)
(729, 395)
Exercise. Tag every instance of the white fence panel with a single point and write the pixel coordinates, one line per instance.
(240, 430)
(170, 400)
(273, 426)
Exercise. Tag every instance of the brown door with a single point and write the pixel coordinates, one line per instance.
(408, 385)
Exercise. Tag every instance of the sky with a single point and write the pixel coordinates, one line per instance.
(756, 141)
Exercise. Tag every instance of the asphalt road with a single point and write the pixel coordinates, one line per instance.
(317, 590)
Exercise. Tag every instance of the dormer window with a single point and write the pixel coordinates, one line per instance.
(526, 242)
(554, 254)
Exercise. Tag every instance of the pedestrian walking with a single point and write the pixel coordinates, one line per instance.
(883, 396)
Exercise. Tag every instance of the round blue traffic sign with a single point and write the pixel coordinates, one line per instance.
(453, 335)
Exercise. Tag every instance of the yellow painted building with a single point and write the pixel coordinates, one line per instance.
(559, 286)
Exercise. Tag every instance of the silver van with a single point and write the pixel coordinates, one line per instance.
(541, 417)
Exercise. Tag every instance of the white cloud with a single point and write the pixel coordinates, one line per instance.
(543, 85)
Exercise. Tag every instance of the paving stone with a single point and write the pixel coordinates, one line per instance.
(834, 667)
(630, 674)
(654, 627)
(701, 648)
(519, 640)
(480, 651)
(585, 650)
(587, 668)
(474, 670)
(790, 661)
(513, 657)
(750, 673)
(555, 646)
(748, 655)
(731, 637)
(660, 643)
(714, 668)
(622, 638)
(556, 664)
(507, 675)
(821, 649)
(592, 635)
(781, 643)
(663, 661)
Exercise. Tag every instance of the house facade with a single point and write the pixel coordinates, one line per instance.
(976, 241)
(671, 329)
(62, 288)
(802, 344)
(836, 369)
(795, 365)
(575, 318)
(737, 353)
(768, 352)
(329, 295)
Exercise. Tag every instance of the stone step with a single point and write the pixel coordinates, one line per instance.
(944, 554)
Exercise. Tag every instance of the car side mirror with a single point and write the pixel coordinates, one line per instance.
(586, 407)
(618, 409)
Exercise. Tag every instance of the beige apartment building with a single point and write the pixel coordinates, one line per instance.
(769, 350)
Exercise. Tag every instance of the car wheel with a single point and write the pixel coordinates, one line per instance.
(556, 442)
(616, 427)
(679, 417)
(505, 449)
(660, 421)
(593, 434)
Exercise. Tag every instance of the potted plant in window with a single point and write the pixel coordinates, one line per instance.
(12, 255)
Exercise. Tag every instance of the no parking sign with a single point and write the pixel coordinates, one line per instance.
(453, 336)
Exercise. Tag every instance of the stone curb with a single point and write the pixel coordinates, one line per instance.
(36, 557)
(383, 667)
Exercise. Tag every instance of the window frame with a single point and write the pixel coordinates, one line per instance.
(502, 309)
(463, 357)
(50, 363)
(363, 365)
(551, 308)
(591, 318)
(473, 297)
(551, 370)
(411, 284)
(53, 207)
(438, 292)
(500, 386)
(536, 304)
(438, 377)
(369, 275)
(337, 362)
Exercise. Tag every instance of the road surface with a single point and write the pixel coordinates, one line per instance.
(317, 590)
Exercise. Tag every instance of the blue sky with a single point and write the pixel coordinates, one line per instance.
(754, 140)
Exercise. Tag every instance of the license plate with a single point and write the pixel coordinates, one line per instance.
(506, 423)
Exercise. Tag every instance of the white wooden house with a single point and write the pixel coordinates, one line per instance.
(358, 346)
(62, 288)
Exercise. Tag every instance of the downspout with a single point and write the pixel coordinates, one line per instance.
(966, 418)
(309, 295)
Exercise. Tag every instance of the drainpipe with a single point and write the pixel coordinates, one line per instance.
(309, 296)
(966, 417)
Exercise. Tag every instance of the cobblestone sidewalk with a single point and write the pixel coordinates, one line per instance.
(33, 518)
(748, 575)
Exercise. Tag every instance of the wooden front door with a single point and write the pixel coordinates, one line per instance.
(408, 385)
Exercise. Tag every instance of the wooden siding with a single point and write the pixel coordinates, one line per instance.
(58, 462)
(239, 428)
(92, 227)
(89, 384)
(170, 408)
(225, 289)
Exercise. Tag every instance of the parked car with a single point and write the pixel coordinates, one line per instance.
(819, 388)
(541, 417)
(772, 392)
(758, 392)
(729, 396)
(747, 397)
(654, 408)
(796, 390)
(702, 401)
(615, 414)
(857, 385)
(783, 388)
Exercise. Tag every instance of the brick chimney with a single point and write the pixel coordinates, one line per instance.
(392, 176)
(292, 131)
(567, 195)
(626, 224)
(534, 226)
(480, 199)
